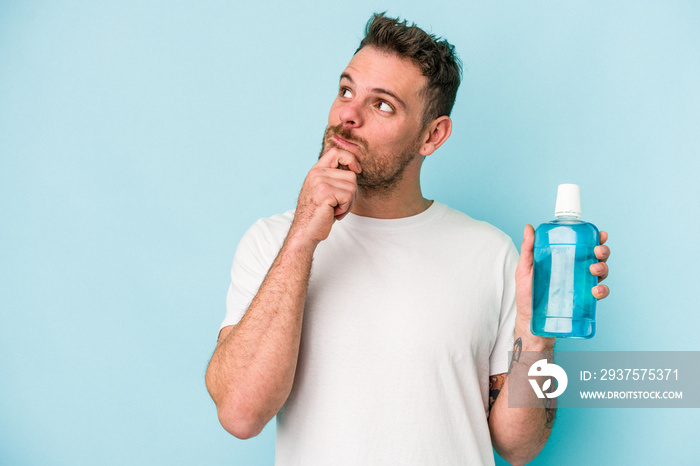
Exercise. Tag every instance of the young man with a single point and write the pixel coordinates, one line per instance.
(385, 350)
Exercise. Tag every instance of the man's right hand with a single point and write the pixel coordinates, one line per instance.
(327, 195)
(251, 373)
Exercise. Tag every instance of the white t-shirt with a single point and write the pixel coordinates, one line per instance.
(405, 320)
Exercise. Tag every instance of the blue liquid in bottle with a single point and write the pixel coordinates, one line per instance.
(563, 305)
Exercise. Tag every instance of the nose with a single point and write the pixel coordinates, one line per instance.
(350, 115)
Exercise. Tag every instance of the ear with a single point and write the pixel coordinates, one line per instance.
(435, 134)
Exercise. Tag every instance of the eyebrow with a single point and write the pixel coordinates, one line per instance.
(378, 90)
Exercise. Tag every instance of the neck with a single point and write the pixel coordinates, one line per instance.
(394, 204)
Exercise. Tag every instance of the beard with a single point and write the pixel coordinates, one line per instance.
(381, 172)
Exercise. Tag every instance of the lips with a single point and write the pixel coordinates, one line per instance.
(343, 143)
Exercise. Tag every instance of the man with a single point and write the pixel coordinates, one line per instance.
(385, 350)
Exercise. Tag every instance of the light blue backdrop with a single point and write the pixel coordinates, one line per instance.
(138, 141)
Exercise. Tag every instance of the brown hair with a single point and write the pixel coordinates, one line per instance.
(435, 57)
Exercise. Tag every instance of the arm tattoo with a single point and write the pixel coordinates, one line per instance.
(495, 384)
(517, 349)
(496, 381)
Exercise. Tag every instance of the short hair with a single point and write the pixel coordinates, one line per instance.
(435, 57)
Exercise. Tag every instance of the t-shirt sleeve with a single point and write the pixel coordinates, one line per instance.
(254, 256)
(499, 362)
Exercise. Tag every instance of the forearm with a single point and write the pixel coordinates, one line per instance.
(252, 370)
(519, 434)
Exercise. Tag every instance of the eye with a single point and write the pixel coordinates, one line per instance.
(345, 92)
(385, 107)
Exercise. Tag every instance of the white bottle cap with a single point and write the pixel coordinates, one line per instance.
(568, 201)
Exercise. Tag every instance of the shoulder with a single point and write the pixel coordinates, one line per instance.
(267, 234)
(272, 226)
(459, 223)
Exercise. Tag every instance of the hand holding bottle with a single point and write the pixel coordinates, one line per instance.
(565, 262)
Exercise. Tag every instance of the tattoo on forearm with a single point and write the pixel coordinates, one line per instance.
(495, 385)
(549, 404)
(517, 350)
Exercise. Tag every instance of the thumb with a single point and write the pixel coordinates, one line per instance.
(523, 273)
(526, 251)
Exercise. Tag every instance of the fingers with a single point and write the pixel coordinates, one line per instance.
(601, 291)
(327, 195)
(600, 270)
(332, 187)
(343, 179)
(338, 170)
(341, 196)
(336, 158)
(602, 253)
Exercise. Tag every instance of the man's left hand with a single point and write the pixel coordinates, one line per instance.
(523, 273)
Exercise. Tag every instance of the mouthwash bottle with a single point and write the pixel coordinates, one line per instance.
(563, 305)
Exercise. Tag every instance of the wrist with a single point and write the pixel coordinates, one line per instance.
(298, 244)
(529, 341)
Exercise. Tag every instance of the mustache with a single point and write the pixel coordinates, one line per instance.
(346, 134)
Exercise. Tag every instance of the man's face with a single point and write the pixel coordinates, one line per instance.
(377, 116)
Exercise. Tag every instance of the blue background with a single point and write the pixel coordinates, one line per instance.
(139, 140)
